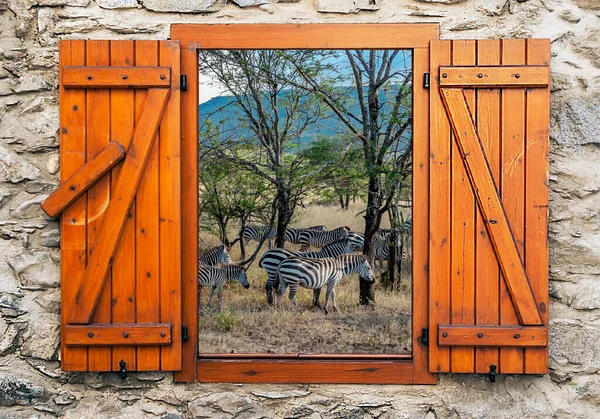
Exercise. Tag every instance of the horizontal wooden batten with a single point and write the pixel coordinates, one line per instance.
(478, 335)
(85, 177)
(120, 334)
(495, 76)
(305, 371)
(115, 77)
(334, 357)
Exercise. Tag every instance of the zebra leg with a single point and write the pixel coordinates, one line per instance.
(335, 307)
(280, 292)
(220, 297)
(330, 286)
(293, 290)
(212, 292)
(316, 297)
(272, 283)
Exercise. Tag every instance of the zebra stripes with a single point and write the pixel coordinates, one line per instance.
(316, 273)
(357, 240)
(272, 258)
(216, 276)
(215, 256)
(292, 235)
(257, 233)
(319, 239)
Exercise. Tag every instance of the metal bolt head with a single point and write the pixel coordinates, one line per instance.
(125, 334)
(480, 76)
(90, 335)
(517, 76)
(162, 77)
(479, 335)
(444, 75)
(72, 187)
(517, 336)
(445, 334)
(163, 334)
(89, 77)
(124, 76)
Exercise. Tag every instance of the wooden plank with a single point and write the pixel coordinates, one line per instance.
(487, 272)
(73, 244)
(495, 76)
(129, 178)
(98, 136)
(420, 217)
(170, 210)
(294, 36)
(536, 198)
(189, 214)
(118, 334)
(85, 177)
(439, 215)
(489, 202)
(512, 189)
(463, 207)
(123, 269)
(477, 335)
(305, 372)
(118, 76)
(147, 308)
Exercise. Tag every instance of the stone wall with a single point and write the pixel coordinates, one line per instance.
(31, 383)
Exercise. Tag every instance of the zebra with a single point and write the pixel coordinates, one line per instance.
(257, 233)
(310, 238)
(272, 258)
(316, 273)
(215, 256)
(357, 240)
(381, 249)
(292, 235)
(216, 276)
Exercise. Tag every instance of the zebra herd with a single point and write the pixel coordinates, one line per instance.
(285, 268)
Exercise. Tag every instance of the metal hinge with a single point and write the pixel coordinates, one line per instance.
(123, 369)
(184, 334)
(183, 83)
(424, 338)
(426, 80)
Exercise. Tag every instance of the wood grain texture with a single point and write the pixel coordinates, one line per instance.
(170, 210)
(129, 177)
(462, 286)
(491, 207)
(123, 297)
(313, 36)
(487, 271)
(98, 136)
(118, 334)
(536, 197)
(73, 243)
(476, 335)
(439, 212)
(117, 76)
(496, 76)
(147, 243)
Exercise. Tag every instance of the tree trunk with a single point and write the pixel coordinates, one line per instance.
(242, 244)
(372, 222)
(284, 214)
(347, 201)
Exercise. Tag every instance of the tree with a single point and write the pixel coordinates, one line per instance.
(376, 109)
(267, 104)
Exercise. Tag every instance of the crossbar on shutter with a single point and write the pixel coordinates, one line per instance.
(495, 76)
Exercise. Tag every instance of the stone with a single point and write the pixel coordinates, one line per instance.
(182, 6)
(51, 239)
(36, 269)
(575, 123)
(491, 7)
(49, 300)
(30, 83)
(31, 208)
(73, 3)
(18, 391)
(572, 346)
(467, 26)
(570, 17)
(36, 187)
(248, 3)
(281, 394)
(346, 6)
(588, 4)
(219, 405)
(10, 337)
(587, 46)
(42, 340)
(117, 4)
(15, 169)
(4, 194)
(53, 164)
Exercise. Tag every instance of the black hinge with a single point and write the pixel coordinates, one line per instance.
(183, 83)
(424, 338)
(184, 334)
(426, 80)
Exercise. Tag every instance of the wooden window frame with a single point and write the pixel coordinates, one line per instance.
(319, 368)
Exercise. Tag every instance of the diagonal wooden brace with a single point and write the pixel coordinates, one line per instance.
(83, 179)
(489, 202)
(124, 193)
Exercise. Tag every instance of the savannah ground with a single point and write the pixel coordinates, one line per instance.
(246, 324)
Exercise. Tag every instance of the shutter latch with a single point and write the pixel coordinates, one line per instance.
(123, 370)
(426, 80)
(183, 83)
(424, 338)
(184, 334)
(492, 373)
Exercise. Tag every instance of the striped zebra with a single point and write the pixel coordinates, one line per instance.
(381, 249)
(272, 258)
(216, 276)
(292, 235)
(319, 239)
(257, 233)
(316, 273)
(215, 256)
(357, 240)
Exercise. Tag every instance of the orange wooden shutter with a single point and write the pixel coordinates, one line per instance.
(490, 105)
(121, 214)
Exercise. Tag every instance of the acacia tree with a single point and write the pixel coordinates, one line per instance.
(271, 114)
(376, 109)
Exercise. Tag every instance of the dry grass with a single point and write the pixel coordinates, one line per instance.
(246, 324)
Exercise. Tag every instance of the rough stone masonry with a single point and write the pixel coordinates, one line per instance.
(31, 383)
